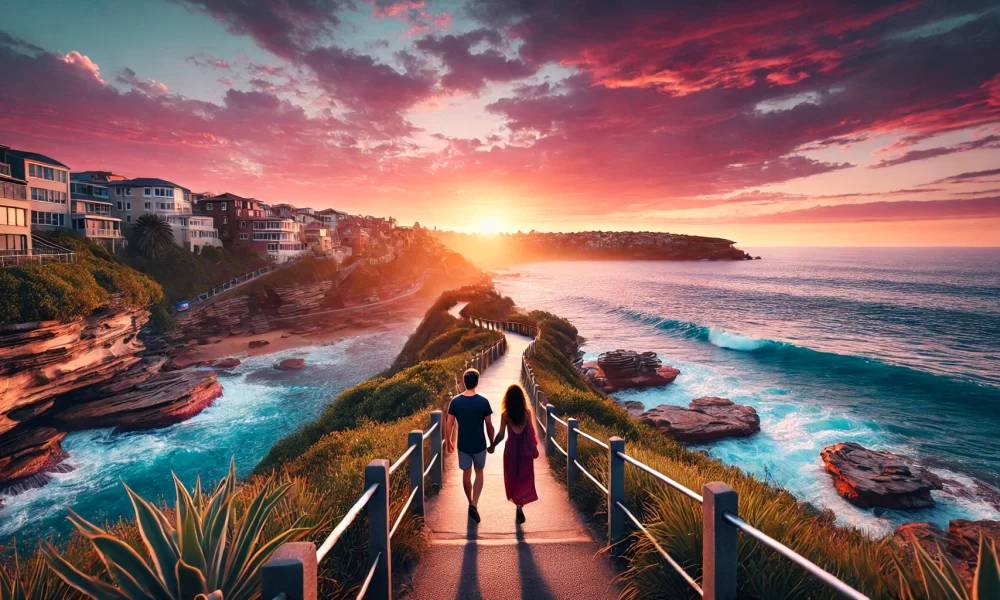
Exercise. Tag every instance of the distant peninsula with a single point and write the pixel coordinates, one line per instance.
(511, 248)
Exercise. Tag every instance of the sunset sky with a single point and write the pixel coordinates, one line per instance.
(770, 123)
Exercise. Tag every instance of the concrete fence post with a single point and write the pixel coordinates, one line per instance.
(719, 545)
(377, 472)
(550, 430)
(416, 437)
(616, 489)
(291, 570)
(571, 438)
(437, 471)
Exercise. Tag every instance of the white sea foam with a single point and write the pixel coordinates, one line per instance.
(734, 341)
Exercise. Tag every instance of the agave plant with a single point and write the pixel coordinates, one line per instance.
(940, 580)
(210, 551)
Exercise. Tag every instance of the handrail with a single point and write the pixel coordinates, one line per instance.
(560, 421)
(680, 488)
(399, 461)
(795, 557)
(556, 445)
(368, 580)
(592, 438)
(428, 433)
(430, 465)
(592, 478)
(402, 513)
(663, 553)
(345, 523)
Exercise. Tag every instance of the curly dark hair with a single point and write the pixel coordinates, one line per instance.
(515, 406)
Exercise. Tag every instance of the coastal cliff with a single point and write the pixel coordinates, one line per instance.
(59, 377)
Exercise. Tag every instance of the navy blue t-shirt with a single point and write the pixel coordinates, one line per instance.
(470, 412)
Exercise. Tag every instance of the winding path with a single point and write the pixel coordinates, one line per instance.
(551, 556)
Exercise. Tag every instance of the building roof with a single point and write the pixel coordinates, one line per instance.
(36, 157)
(146, 182)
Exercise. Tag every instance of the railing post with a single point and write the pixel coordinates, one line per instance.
(571, 454)
(377, 472)
(616, 489)
(437, 471)
(550, 430)
(291, 570)
(719, 544)
(417, 470)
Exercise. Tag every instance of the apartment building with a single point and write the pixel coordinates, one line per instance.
(354, 232)
(48, 187)
(132, 198)
(15, 210)
(91, 213)
(249, 221)
(193, 232)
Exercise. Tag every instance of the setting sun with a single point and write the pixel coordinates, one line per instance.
(488, 224)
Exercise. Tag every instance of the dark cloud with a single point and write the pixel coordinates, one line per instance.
(469, 71)
(907, 210)
(971, 176)
(990, 142)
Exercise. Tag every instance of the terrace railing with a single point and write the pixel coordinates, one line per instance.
(41, 253)
(720, 511)
(242, 279)
(291, 572)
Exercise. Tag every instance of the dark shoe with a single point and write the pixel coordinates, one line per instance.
(474, 514)
(520, 516)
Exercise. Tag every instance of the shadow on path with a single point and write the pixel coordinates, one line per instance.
(468, 586)
(533, 583)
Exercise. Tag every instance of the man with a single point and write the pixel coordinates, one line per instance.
(470, 412)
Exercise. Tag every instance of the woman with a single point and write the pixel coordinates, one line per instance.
(521, 450)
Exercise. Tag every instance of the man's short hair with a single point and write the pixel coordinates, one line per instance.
(471, 379)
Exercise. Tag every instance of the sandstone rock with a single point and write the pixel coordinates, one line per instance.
(27, 451)
(959, 545)
(963, 537)
(227, 363)
(705, 420)
(635, 409)
(165, 399)
(290, 363)
(625, 369)
(870, 478)
(258, 344)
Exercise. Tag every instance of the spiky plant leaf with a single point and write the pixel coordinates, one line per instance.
(190, 581)
(936, 581)
(159, 540)
(73, 577)
(190, 538)
(119, 554)
(986, 585)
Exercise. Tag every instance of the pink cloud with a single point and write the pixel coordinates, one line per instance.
(83, 62)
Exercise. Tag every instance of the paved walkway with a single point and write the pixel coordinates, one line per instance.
(551, 556)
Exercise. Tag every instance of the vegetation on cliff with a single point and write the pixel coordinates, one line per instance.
(184, 274)
(67, 291)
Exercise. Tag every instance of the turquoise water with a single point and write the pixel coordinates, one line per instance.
(259, 406)
(897, 349)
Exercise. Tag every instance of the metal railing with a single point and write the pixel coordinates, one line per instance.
(720, 511)
(291, 572)
(41, 253)
(238, 281)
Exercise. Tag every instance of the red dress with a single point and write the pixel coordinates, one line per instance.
(519, 456)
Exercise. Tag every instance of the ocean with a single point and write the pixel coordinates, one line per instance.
(258, 407)
(896, 349)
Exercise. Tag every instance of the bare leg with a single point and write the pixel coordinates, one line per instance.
(477, 490)
(467, 486)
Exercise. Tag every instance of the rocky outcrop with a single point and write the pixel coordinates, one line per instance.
(57, 377)
(959, 545)
(874, 478)
(226, 363)
(254, 344)
(634, 408)
(163, 399)
(626, 369)
(290, 364)
(705, 420)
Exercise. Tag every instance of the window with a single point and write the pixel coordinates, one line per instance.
(224, 207)
(225, 220)
(243, 224)
(49, 174)
(244, 236)
(119, 205)
(147, 192)
(12, 216)
(208, 206)
(128, 218)
(272, 247)
(128, 191)
(31, 170)
(149, 205)
(128, 206)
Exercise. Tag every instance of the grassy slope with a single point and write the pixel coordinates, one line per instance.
(675, 520)
(69, 291)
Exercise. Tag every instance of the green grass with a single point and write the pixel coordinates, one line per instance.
(68, 291)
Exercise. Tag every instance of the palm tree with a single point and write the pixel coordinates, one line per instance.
(151, 235)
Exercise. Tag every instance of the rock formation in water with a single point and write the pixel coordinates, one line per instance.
(626, 369)
(959, 545)
(705, 420)
(873, 478)
(290, 364)
(59, 377)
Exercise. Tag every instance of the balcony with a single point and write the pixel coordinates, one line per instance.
(5, 169)
(101, 232)
(13, 191)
